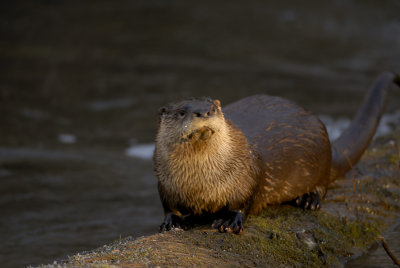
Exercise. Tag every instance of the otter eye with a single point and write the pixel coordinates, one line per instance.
(181, 113)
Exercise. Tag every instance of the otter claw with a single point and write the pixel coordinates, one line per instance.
(234, 224)
(311, 201)
(171, 221)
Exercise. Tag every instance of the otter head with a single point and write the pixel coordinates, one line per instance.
(190, 120)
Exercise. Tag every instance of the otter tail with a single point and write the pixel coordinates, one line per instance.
(349, 147)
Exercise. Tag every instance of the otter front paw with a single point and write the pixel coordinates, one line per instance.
(311, 201)
(232, 224)
(171, 221)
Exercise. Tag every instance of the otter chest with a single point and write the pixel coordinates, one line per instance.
(197, 186)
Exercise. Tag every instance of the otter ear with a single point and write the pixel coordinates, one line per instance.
(217, 103)
(162, 111)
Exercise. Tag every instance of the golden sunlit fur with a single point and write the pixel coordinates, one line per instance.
(212, 169)
(264, 150)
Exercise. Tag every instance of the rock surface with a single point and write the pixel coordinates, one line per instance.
(355, 212)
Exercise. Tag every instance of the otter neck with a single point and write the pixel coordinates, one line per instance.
(215, 148)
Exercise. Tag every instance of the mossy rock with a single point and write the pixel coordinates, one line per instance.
(355, 212)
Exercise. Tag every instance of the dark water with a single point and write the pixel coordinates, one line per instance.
(80, 82)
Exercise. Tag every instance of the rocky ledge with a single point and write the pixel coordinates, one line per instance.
(356, 212)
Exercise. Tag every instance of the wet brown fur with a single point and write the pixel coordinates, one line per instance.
(260, 150)
(200, 175)
(292, 143)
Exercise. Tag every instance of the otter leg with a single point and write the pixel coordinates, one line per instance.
(311, 201)
(232, 222)
(171, 220)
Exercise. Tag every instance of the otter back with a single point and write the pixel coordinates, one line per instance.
(293, 145)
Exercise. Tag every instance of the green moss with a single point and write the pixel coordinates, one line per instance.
(347, 233)
(273, 238)
(395, 160)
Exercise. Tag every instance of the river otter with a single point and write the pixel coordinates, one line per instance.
(257, 151)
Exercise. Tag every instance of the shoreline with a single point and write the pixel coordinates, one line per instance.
(355, 212)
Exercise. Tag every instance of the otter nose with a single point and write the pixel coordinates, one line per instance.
(205, 112)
